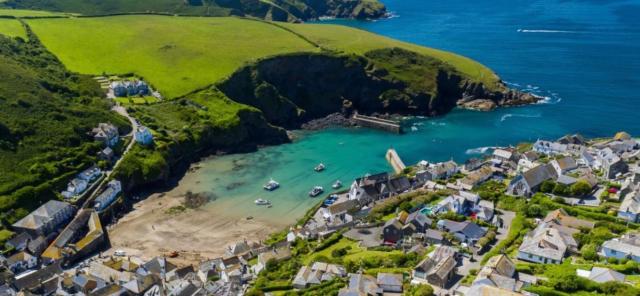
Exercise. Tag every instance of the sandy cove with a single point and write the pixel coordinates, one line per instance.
(196, 234)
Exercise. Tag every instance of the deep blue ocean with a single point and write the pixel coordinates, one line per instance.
(584, 55)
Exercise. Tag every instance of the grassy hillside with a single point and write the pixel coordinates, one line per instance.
(12, 28)
(176, 54)
(45, 114)
(278, 10)
(351, 40)
(29, 13)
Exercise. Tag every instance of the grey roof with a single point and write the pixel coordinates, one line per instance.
(394, 222)
(625, 245)
(566, 180)
(539, 174)
(419, 218)
(567, 163)
(42, 215)
(601, 275)
(433, 234)
(546, 243)
(469, 229)
(389, 279)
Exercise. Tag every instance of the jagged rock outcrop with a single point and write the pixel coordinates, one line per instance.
(475, 96)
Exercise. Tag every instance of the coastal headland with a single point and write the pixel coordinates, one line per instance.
(242, 98)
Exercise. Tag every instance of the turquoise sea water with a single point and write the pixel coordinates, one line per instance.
(584, 55)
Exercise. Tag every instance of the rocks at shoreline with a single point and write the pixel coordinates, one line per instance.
(331, 120)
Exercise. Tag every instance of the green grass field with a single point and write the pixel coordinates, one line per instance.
(175, 54)
(27, 12)
(12, 28)
(180, 54)
(347, 39)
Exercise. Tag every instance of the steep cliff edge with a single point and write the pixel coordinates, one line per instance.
(296, 88)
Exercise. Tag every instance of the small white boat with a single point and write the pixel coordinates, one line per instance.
(262, 202)
(271, 185)
(336, 185)
(319, 168)
(316, 191)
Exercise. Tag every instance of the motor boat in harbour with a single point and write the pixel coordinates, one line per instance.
(336, 185)
(262, 202)
(316, 191)
(320, 167)
(271, 185)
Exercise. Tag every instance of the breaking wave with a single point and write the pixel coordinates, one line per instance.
(478, 150)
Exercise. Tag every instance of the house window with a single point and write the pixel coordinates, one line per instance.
(530, 256)
(613, 252)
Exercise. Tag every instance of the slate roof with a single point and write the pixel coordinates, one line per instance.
(539, 174)
(503, 153)
(342, 207)
(546, 243)
(433, 234)
(389, 279)
(42, 215)
(469, 229)
(601, 275)
(560, 216)
(566, 163)
(631, 204)
(419, 218)
(625, 245)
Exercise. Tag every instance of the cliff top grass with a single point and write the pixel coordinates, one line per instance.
(175, 54)
(12, 28)
(180, 54)
(30, 13)
(351, 40)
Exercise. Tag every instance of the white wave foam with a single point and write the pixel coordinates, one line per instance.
(546, 31)
(509, 115)
(478, 150)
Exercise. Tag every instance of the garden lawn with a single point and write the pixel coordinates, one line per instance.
(351, 40)
(355, 254)
(175, 54)
(12, 28)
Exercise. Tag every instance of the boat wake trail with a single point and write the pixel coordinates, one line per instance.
(509, 115)
(547, 31)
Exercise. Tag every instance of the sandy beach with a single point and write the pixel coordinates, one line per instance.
(196, 234)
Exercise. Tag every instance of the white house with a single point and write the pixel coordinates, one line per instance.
(564, 165)
(543, 245)
(75, 187)
(114, 187)
(143, 135)
(107, 133)
(630, 207)
(548, 148)
(90, 174)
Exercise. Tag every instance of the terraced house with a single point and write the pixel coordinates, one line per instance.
(46, 219)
